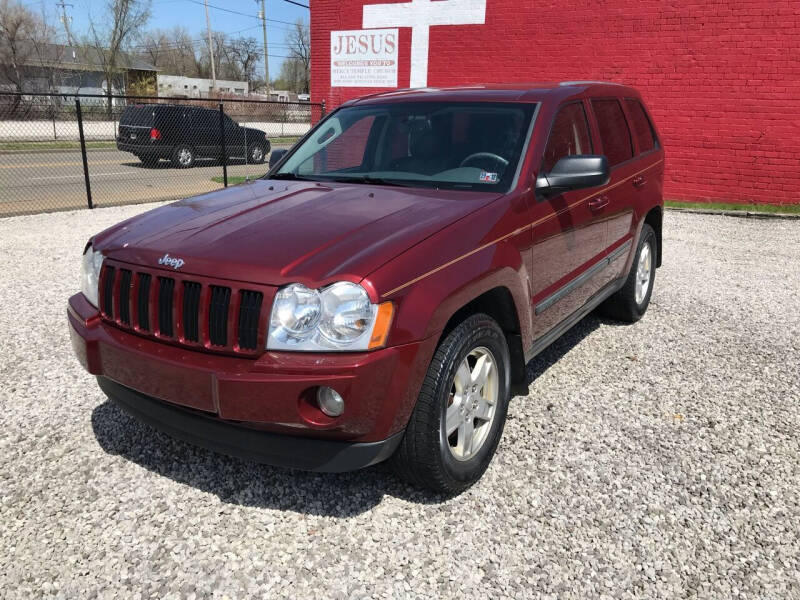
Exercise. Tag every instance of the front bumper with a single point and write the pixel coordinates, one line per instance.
(250, 444)
(273, 393)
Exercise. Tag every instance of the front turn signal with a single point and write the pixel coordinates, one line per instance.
(383, 321)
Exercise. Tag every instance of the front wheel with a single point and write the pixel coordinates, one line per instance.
(631, 301)
(456, 425)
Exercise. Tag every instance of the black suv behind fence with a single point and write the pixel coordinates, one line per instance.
(61, 152)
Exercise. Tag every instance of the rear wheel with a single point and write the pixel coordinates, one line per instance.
(461, 410)
(183, 157)
(631, 301)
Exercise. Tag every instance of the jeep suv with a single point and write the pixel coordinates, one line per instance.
(183, 134)
(379, 292)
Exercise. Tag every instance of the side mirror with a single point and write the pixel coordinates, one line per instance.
(574, 173)
(276, 157)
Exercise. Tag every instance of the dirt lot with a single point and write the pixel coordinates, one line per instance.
(659, 460)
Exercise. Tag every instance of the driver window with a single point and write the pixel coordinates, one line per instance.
(569, 136)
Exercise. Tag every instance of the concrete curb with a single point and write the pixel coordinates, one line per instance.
(742, 214)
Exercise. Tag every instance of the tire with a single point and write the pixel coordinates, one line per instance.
(256, 154)
(624, 304)
(183, 157)
(149, 161)
(427, 457)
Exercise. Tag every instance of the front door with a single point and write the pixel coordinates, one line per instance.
(569, 230)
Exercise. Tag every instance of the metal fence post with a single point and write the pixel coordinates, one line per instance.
(53, 116)
(222, 143)
(83, 153)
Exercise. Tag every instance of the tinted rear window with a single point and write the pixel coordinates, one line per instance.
(641, 125)
(614, 132)
(137, 115)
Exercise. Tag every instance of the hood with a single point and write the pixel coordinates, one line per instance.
(276, 232)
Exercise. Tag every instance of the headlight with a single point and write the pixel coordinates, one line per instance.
(90, 276)
(337, 317)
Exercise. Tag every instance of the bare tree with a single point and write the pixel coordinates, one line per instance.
(171, 51)
(18, 27)
(108, 40)
(243, 55)
(295, 71)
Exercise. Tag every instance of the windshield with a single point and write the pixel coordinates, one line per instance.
(472, 146)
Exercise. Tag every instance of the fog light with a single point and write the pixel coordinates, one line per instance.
(330, 402)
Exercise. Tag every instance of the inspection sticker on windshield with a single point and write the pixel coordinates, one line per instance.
(488, 177)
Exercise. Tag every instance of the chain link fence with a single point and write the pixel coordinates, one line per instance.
(62, 152)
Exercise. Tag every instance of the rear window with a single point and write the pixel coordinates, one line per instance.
(641, 125)
(614, 132)
(204, 118)
(137, 115)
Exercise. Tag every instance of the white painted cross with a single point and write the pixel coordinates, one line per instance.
(421, 15)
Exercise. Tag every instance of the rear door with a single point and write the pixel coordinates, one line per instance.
(205, 132)
(617, 144)
(569, 233)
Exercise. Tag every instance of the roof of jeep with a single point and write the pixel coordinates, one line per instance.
(499, 92)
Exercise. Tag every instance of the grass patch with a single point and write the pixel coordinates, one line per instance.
(232, 179)
(282, 141)
(793, 209)
(53, 145)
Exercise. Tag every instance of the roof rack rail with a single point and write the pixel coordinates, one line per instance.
(566, 83)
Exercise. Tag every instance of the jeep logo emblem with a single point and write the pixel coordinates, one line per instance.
(170, 261)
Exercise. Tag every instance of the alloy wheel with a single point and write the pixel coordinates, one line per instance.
(472, 404)
(185, 157)
(644, 270)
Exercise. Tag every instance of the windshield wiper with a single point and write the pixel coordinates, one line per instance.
(292, 177)
(366, 179)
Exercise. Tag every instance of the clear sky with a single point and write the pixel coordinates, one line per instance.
(236, 17)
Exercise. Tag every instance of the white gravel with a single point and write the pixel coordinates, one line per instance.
(659, 460)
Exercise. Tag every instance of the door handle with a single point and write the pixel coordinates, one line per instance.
(596, 204)
(639, 181)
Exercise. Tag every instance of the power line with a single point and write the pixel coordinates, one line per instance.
(236, 12)
(297, 3)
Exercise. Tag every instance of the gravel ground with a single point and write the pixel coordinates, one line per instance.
(658, 460)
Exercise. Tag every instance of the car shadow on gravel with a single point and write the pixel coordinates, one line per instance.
(539, 365)
(245, 483)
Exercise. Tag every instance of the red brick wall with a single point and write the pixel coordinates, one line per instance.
(722, 79)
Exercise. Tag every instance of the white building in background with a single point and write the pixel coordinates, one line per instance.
(195, 87)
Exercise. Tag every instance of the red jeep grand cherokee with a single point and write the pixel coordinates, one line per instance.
(378, 294)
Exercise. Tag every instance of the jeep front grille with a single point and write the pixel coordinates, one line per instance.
(186, 310)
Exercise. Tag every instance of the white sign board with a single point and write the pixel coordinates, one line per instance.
(364, 58)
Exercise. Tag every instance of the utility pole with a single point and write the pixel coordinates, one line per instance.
(263, 16)
(211, 51)
(65, 19)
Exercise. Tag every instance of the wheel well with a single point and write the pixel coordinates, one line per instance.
(654, 219)
(499, 304)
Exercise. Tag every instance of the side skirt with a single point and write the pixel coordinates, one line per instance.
(556, 332)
